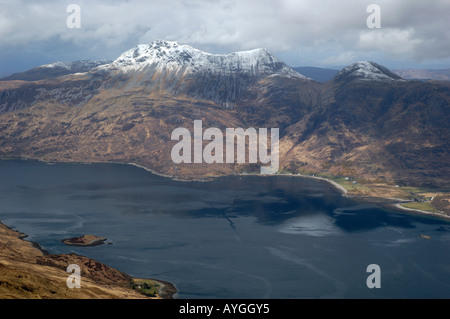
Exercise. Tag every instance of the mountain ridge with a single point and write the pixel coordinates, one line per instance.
(377, 129)
(173, 56)
(54, 70)
(366, 71)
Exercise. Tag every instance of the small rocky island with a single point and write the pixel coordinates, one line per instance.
(85, 240)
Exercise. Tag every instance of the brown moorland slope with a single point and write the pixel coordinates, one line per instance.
(27, 272)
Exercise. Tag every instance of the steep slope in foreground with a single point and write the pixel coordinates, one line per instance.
(27, 273)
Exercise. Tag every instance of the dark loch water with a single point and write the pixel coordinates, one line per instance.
(236, 237)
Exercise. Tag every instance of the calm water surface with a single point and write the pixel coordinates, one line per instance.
(236, 237)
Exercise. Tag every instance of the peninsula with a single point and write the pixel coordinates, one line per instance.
(28, 272)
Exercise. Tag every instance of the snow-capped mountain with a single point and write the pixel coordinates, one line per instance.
(164, 56)
(367, 71)
(367, 122)
(82, 65)
(167, 67)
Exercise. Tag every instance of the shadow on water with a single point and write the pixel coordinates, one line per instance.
(237, 236)
(270, 200)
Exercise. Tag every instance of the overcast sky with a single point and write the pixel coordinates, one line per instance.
(325, 33)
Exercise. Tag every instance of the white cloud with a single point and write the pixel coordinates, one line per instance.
(392, 41)
(418, 30)
(343, 58)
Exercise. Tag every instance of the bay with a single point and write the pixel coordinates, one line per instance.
(234, 237)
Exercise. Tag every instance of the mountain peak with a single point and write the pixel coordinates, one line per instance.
(159, 51)
(366, 70)
(162, 55)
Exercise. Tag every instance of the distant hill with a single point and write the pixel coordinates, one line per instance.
(318, 74)
(53, 70)
(424, 74)
(325, 75)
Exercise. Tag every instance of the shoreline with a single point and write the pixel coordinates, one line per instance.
(167, 289)
(392, 205)
(25, 158)
(343, 191)
(339, 187)
(420, 212)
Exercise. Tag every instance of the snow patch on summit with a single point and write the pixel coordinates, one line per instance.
(367, 70)
(171, 56)
(82, 65)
